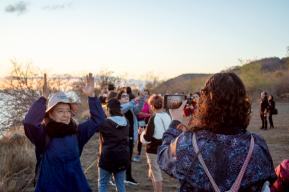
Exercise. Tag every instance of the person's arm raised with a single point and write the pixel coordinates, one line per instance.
(35, 115)
(167, 151)
(88, 89)
(97, 116)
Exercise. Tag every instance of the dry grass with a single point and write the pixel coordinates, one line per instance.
(17, 160)
(17, 156)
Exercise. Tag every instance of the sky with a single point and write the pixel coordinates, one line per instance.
(136, 38)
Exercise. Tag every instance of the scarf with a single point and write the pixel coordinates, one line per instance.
(55, 129)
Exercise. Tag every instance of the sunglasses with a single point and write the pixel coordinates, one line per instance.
(124, 95)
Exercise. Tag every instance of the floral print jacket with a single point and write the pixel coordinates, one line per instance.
(224, 156)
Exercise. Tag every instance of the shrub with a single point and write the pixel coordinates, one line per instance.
(17, 162)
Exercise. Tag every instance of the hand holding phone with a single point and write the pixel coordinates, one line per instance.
(173, 101)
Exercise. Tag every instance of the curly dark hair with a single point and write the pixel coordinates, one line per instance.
(224, 106)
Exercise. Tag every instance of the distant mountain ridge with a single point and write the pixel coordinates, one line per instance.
(270, 74)
(181, 83)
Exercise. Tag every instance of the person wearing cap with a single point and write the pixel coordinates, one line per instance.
(113, 148)
(59, 140)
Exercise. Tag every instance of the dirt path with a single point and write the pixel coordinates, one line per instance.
(277, 140)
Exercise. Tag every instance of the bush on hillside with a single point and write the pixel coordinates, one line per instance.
(282, 88)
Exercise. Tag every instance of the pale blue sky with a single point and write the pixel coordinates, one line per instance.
(136, 37)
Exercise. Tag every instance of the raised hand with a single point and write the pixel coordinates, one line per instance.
(88, 89)
(45, 90)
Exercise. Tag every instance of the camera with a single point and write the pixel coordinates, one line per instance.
(173, 101)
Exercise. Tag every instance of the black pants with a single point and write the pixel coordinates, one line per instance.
(139, 145)
(271, 120)
(264, 120)
(128, 170)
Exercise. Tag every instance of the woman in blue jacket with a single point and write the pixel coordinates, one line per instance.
(59, 140)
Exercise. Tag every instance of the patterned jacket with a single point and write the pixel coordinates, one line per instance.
(224, 156)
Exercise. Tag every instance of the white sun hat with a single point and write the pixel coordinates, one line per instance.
(74, 98)
(55, 98)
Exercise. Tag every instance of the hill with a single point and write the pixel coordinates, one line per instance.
(183, 83)
(270, 74)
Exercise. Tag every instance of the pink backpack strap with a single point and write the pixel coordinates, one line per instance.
(237, 183)
(235, 187)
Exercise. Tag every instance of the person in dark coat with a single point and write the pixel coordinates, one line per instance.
(114, 148)
(59, 140)
(271, 108)
(263, 109)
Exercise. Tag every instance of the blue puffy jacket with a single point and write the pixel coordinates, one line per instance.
(60, 168)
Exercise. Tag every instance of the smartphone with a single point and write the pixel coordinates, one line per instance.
(173, 101)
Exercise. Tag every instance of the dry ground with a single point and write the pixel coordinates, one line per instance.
(277, 140)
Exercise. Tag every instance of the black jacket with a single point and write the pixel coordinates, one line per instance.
(264, 105)
(113, 144)
(271, 106)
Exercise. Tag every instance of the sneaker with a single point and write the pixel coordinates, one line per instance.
(136, 158)
(111, 182)
(131, 181)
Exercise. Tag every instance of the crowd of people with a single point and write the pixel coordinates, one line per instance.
(191, 143)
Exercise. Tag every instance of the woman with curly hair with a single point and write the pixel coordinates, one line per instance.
(214, 151)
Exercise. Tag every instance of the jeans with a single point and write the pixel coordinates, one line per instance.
(105, 176)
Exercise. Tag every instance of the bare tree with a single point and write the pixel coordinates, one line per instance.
(61, 82)
(152, 81)
(105, 77)
(20, 90)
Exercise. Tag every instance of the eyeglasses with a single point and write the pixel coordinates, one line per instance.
(124, 95)
(63, 111)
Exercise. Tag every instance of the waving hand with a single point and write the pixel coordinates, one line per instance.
(88, 89)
